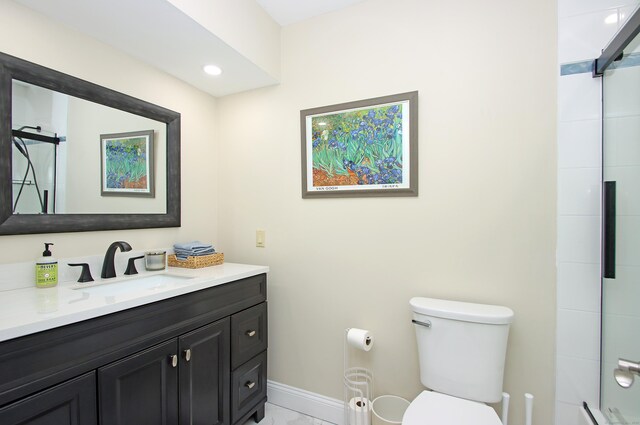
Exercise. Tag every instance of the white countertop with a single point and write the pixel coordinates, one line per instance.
(30, 310)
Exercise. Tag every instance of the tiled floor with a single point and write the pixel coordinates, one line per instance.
(276, 415)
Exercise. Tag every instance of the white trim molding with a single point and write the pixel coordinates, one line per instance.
(311, 404)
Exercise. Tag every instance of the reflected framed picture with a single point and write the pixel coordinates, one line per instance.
(361, 149)
(126, 164)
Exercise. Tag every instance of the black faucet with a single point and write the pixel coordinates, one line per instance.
(108, 266)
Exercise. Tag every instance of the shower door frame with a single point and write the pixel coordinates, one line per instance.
(616, 46)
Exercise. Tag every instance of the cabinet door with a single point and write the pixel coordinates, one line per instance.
(205, 375)
(70, 403)
(141, 389)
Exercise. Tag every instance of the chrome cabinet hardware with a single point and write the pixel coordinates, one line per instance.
(250, 333)
(624, 373)
(426, 324)
(250, 384)
(173, 360)
(187, 354)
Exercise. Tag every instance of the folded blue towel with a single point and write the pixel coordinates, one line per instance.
(192, 249)
(193, 245)
(196, 251)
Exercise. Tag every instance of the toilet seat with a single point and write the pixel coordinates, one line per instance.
(441, 409)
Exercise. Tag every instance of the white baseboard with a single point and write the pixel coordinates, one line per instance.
(311, 404)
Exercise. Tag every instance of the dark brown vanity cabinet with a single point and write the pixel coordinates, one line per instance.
(70, 403)
(185, 378)
(248, 360)
(204, 375)
(196, 359)
(140, 389)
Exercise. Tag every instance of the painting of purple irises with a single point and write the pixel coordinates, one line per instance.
(127, 160)
(361, 148)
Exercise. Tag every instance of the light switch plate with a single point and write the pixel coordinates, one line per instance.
(260, 237)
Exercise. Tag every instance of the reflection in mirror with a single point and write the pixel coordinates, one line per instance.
(56, 154)
(32, 158)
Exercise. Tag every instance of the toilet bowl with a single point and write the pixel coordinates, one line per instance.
(431, 408)
(462, 348)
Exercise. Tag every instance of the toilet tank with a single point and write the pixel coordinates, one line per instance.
(461, 347)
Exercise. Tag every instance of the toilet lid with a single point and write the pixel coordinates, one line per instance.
(441, 409)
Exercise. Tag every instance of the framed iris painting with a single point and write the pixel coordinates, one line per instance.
(127, 164)
(363, 148)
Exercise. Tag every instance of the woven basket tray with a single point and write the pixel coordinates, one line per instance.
(197, 262)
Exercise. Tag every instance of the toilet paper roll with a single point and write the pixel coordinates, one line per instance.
(360, 338)
(359, 411)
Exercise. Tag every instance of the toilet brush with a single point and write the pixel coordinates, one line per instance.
(528, 408)
(505, 408)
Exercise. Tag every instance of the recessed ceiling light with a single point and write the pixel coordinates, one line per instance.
(212, 70)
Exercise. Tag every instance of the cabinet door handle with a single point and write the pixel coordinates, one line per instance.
(250, 333)
(187, 354)
(250, 384)
(173, 360)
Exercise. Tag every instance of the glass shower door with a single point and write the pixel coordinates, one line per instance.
(619, 397)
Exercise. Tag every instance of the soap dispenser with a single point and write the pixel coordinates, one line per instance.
(46, 269)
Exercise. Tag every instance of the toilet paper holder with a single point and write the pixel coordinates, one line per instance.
(358, 389)
(358, 381)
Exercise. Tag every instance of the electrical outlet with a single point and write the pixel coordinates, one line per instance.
(260, 237)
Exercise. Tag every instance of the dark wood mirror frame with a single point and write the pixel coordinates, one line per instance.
(15, 224)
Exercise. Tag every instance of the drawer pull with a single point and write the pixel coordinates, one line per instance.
(173, 360)
(187, 354)
(250, 334)
(250, 384)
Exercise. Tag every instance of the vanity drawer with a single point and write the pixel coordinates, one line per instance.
(248, 334)
(248, 386)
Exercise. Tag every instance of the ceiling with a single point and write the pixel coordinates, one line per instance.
(286, 12)
(158, 33)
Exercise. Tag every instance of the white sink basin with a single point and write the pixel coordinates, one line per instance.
(153, 283)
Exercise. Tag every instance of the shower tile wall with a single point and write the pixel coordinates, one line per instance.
(584, 28)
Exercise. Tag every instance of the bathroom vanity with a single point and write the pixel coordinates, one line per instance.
(189, 353)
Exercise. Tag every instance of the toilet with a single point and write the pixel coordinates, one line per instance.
(461, 349)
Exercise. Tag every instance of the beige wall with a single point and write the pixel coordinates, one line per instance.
(482, 228)
(28, 35)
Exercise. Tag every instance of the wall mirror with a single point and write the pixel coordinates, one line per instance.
(76, 156)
